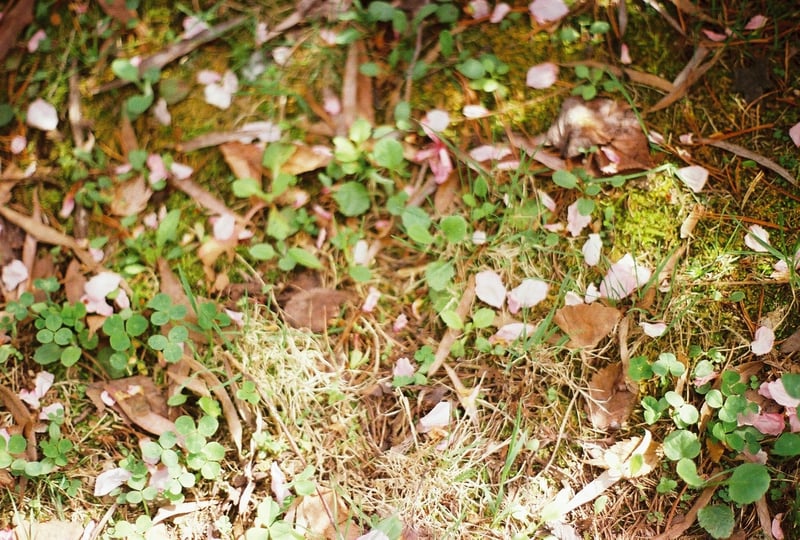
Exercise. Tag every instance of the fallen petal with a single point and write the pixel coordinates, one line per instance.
(108, 481)
(545, 11)
(542, 75)
(592, 249)
(576, 221)
(489, 288)
(14, 273)
(404, 367)
(509, 333)
(529, 293)
(477, 111)
(694, 177)
(763, 342)
(757, 239)
(794, 133)
(42, 115)
(654, 330)
(499, 12)
(436, 120)
(439, 417)
(756, 22)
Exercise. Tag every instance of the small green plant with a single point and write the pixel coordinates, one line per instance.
(591, 80)
(144, 81)
(485, 74)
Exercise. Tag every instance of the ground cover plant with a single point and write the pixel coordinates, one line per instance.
(399, 270)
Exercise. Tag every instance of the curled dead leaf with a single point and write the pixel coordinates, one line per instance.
(587, 324)
(610, 402)
(243, 159)
(130, 197)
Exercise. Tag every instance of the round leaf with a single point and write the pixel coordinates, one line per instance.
(681, 444)
(717, 520)
(352, 198)
(748, 483)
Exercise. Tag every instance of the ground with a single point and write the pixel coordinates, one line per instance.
(407, 270)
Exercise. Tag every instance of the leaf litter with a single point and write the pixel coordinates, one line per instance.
(421, 424)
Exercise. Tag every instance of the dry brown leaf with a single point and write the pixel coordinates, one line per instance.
(792, 343)
(138, 399)
(74, 282)
(609, 124)
(130, 197)
(445, 196)
(243, 159)
(322, 515)
(16, 16)
(586, 324)
(306, 159)
(610, 402)
(450, 336)
(315, 308)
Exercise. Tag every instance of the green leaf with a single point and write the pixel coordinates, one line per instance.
(419, 233)
(6, 114)
(687, 470)
(126, 71)
(136, 105)
(344, 150)
(471, 69)
(585, 206)
(452, 319)
(582, 71)
(262, 251)
(305, 258)
(447, 13)
(70, 355)
(17, 444)
(168, 228)
(791, 383)
(381, 11)
(666, 364)
(352, 198)
(748, 483)
(717, 519)
(639, 369)
(246, 187)
(360, 131)
(483, 318)
(276, 154)
(446, 43)
(388, 153)
(47, 354)
(565, 179)
(438, 274)
(788, 444)
(369, 69)
(681, 444)
(360, 273)
(279, 223)
(136, 325)
(157, 342)
(599, 27)
(454, 228)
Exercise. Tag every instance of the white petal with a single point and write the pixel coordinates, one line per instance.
(572, 299)
(14, 273)
(439, 417)
(217, 96)
(654, 330)
(576, 221)
(107, 481)
(756, 22)
(512, 331)
(161, 112)
(794, 133)
(624, 54)
(624, 277)
(488, 152)
(756, 238)
(547, 10)
(223, 227)
(592, 249)
(404, 367)
(436, 120)
(542, 75)
(529, 293)
(489, 288)
(278, 483)
(206, 77)
(42, 115)
(18, 144)
(499, 12)
(694, 177)
(371, 301)
(763, 342)
(476, 111)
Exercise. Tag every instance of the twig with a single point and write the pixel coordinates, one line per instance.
(749, 154)
(678, 529)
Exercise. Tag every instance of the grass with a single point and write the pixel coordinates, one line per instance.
(327, 409)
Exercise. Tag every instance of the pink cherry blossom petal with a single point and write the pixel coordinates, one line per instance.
(624, 277)
(14, 273)
(763, 342)
(546, 200)
(180, 171)
(757, 239)
(36, 40)
(157, 169)
(193, 26)
(572, 299)
(404, 367)
(776, 529)
(479, 8)
(207, 76)
(18, 144)
(400, 322)
(96, 290)
(488, 152)
(108, 481)
(653, 330)
(278, 483)
(694, 177)
(261, 34)
(438, 418)
(794, 420)
(42, 115)
(777, 392)
(542, 75)
(576, 221)
(766, 423)
(53, 410)
(592, 249)
(223, 226)
(281, 55)
(714, 36)
(794, 133)
(510, 332)
(371, 301)
(545, 11)
(756, 22)
(499, 12)
(489, 288)
(161, 112)
(527, 294)
(624, 54)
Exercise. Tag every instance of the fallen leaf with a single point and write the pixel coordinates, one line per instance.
(586, 324)
(63, 530)
(313, 514)
(315, 308)
(605, 123)
(137, 399)
(16, 16)
(243, 159)
(307, 158)
(610, 402)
